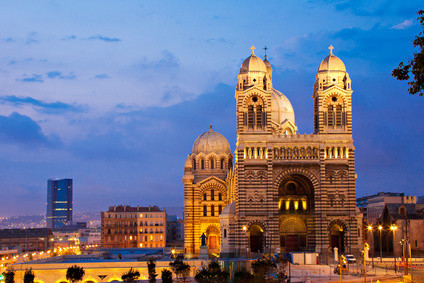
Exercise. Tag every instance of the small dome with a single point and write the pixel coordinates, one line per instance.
(332, 63)
(253, 64)
(268, 66)
(229, 209)
(211, 141)
(282, 109)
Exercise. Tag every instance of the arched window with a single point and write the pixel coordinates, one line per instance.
(259, 116)
(222, 163)
(330, 117)
(250, 117)
(212, 194)
(225, 233)
(219, 196)
(204, 197)
(205, 210)
(338, 115)
(220, 209)
(212, 210)
(194, 164)
(212, 163)
(202, 164)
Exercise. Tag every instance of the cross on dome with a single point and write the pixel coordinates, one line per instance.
(331, 49)
(253, 49)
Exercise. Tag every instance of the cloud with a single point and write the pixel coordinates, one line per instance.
(59, 75)
(22, 130)
(45, 107)
(31, 79)
(102, 76)
(104, 38)
(403, 25)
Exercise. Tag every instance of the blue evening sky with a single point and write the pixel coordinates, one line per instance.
(114, 93)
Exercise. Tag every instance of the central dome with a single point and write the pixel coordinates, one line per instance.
(282, 109)
(211, 141)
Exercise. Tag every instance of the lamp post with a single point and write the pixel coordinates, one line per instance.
(373, 246)
(394, 228)
(381, 244)
(247, 240)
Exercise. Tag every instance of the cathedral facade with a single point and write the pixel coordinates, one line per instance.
(285, 191)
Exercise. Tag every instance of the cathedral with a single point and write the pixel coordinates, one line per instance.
(281, 191)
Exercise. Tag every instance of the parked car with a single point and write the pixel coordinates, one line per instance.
(350, 259)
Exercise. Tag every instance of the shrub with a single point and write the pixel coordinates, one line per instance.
(242, 275)
(151, 267)
(212, 273)
(9, 276)
(29, 276)
(166, 276)
(131, 275)
(75, 273)
(180, 268)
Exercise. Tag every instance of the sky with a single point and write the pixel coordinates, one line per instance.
(114, 93)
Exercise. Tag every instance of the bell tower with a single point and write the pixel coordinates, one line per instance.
(332, 97)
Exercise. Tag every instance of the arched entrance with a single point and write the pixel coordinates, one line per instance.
(337, 236)
(213, 239)
(296, 213)
(256, 238)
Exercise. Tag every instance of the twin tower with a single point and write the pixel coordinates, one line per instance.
(281, 191)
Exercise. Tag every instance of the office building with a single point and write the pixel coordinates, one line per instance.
(59, 202)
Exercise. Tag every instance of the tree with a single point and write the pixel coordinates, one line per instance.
(131, 275)
(166, 276)
(9, 276)
(151, 267)
(212, 273)
(75, 273)
(180, 268)
(29, 276)
(416, 66)
(262, 268)
(242, 275)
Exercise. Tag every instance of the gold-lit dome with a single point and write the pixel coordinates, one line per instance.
(211, 141)
(253, 64)
(268, 66)
(332, 63)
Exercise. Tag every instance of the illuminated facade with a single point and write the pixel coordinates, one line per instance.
(287, 191)
(59, 202)
(133, 227)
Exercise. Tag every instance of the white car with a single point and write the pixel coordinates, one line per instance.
(350, 259)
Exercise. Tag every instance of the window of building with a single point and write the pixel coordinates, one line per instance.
(212, 194)
(202, 164)
(222, 163)
(204, 196)
(220, 209)
(212, 210)
(225, 233)
(194, 164)
(212, 163)
(219, 196)
(205, 210)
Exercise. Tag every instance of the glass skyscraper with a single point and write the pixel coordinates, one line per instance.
(59, 202)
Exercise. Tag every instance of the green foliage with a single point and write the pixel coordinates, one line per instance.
(415, 67)
(180, 268)
(151, 267)
(242, 275)
(9, 276)
(75, 273)
(212, 273)
(131, 275)
(29, 276)
(166, 276)
(262, 268)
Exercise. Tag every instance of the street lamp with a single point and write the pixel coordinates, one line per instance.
(394, 228)
(373, 246)
(381, 244)
(247, 240)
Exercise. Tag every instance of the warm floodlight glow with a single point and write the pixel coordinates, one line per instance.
(244, 228)
(380, 227)
(369, 227)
